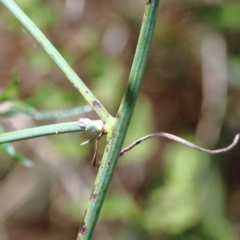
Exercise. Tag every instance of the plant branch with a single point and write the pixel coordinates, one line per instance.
(40, 131)
(118, 132)
(59, 60)
(30, 112)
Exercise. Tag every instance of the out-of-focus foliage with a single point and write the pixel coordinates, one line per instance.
(223, 16)
(40, 12)
(160, 190)
(11, 91)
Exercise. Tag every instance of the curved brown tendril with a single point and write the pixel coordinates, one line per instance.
(180, 140)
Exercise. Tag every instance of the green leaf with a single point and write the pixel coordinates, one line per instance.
(11, 91)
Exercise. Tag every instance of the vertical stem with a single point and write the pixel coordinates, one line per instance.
(118, 132)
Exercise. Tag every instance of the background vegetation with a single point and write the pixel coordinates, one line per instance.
(161, 190)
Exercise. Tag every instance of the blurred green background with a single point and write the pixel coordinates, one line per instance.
(160, 190)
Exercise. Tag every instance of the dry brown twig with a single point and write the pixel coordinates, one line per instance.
(180, 140)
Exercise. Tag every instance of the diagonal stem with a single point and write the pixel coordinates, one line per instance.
(118, 132)
(59, 60)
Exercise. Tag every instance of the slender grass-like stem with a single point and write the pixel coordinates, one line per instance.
(118, 132)
(40, 131)
(30, 112)
(59, 60)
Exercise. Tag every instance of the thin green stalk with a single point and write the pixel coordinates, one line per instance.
(30, 112)
(117, 133)
(8, 149)
(59, 60)
(40, 131)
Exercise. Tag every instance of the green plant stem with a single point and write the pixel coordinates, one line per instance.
(58, 59)
(40, 131)
(118, 132)
(30, 112)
